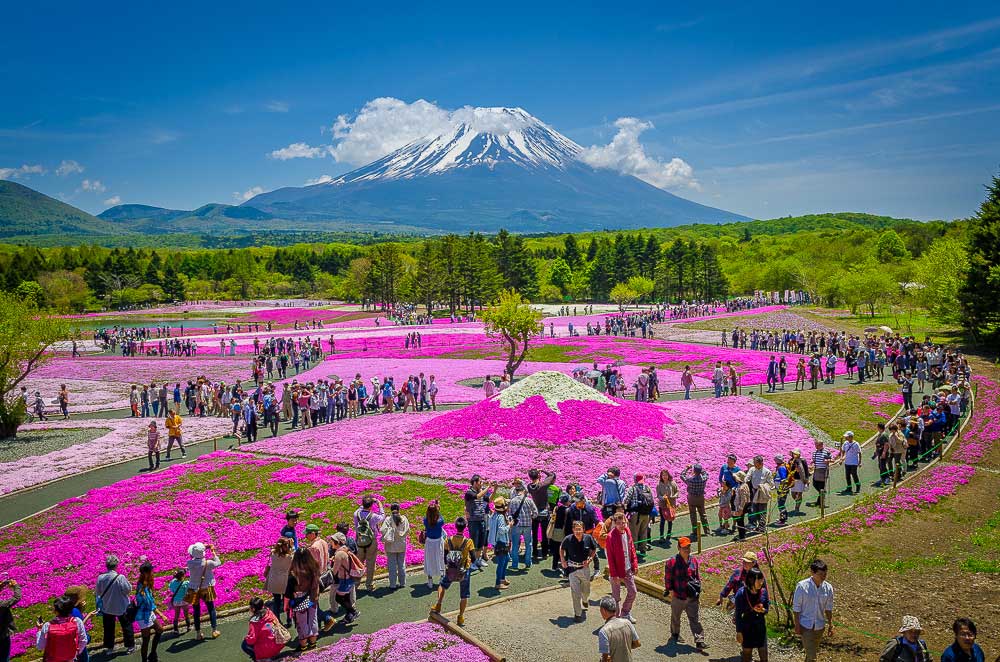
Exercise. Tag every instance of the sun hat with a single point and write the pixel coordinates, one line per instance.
(683, 541)
(750, 557)
(910, 623)
(796, 452)
(312, 528)
(197, 550)
(739, 476)
(339, 538)
(848, 435)
(500, 502)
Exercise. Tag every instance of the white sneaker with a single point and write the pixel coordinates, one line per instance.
(630, 618)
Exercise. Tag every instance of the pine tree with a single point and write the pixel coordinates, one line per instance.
(978, 296)
(571, 252)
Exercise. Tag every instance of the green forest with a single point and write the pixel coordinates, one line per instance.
(858, 261)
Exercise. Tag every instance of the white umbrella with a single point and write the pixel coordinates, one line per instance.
(886, 329)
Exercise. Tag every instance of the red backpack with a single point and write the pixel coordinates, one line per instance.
(63, 641)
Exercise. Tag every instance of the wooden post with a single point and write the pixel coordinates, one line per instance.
(697, 532)
(822, 504)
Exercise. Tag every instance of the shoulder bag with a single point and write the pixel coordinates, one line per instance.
(192, 594)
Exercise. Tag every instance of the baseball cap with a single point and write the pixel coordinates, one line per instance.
(684, 541)
(312, 528)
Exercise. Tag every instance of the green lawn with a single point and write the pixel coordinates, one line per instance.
(834, 413)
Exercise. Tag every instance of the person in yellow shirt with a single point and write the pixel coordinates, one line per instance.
(173, 423)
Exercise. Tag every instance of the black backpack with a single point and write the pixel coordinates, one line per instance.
(642, 501)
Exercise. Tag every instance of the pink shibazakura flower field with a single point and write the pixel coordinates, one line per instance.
(156, 515)
(143, 371)
(403, 642)
(694, 431)
(85, 396)
(983, 430)
(125, 440)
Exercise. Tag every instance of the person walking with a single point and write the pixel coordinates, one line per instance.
(687, 380)
(682, 582)
(908, 646)
(153, 445)
(395, 532)
(147, 616)
(666, 496)
(622, 564)
(173, 423)
(964, 648)
(751, 606)
(112, 591)
(617, 638)
(459, 559)
(812, 609)
(576, 553)
(850, 451)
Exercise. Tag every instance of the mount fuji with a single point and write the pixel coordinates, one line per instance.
(493, 168)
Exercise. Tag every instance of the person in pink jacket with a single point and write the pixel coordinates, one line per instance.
(622, 564)
(265, 634)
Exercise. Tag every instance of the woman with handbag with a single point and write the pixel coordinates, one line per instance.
(277, 571)
(666, 495)
(432, 538)
(499, 538)
(347, 568)
(146, 613)
(303, 580)
(201, 570)
(265, 634)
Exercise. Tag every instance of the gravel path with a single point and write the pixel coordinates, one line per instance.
(540, 628)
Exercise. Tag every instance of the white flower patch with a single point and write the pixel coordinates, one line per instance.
(554, 387)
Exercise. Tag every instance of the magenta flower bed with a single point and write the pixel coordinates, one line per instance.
(693, 431)
(982, 432)
(292, 315)
(403, 642)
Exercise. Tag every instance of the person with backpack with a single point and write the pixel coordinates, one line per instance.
(347, 568)
(266, 637)
(367, 521)
(64, 637)
(7, 628)
(146, 614)
(112, 591)
(908, 646)
(459, 557)
(639, 502)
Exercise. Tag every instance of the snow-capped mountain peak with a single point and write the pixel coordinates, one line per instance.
(478, 137)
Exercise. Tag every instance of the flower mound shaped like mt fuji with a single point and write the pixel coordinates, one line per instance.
(550, 407)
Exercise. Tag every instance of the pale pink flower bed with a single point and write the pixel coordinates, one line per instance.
(125, 440)
(403, 642)
(85, 395)
(693, 431)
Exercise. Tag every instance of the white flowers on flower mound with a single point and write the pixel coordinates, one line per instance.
(554, 387)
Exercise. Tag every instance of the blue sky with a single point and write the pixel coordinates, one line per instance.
(778, 109)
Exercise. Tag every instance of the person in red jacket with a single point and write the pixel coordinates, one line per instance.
(265, 634)
(622, 564)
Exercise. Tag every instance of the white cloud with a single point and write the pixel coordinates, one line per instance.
(383, 125)
(251, 192)
(322, 179)
(68, 167)
(113, 200)
(299, 151)
(277, 107)
(626, 155)
(23, 171)
(162, 136)
(94, 185)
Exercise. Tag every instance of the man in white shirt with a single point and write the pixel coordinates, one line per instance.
(850, 451)
(812, 609)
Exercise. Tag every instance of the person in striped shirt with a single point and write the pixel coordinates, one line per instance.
(821, 470)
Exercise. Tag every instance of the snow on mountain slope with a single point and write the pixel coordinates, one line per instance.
(485, 136)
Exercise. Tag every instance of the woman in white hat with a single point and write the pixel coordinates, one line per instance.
(908, 646)
(201, 570)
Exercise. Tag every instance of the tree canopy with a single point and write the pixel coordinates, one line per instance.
(515, 322)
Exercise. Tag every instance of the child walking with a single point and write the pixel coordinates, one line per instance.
(178, 588)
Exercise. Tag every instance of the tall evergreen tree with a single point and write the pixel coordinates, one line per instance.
(978, 296)
(571, 252)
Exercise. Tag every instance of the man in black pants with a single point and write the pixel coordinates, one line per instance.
(538, 489)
